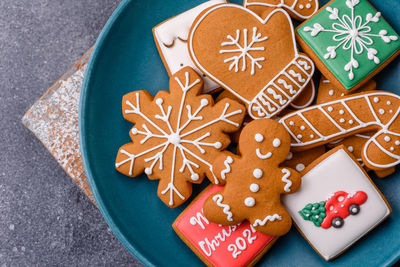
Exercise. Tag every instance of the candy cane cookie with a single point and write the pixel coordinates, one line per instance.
(365, 112)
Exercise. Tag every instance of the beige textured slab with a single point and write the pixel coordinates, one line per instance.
(53, 119)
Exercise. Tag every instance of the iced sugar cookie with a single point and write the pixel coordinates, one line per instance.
(337, 203)
(177, 135)
(171, 37)
(349, 41)
(298, 9)
(217, 245)
(254, 180)
(255, 59)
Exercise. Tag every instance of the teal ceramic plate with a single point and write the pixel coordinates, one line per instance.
(126, 59)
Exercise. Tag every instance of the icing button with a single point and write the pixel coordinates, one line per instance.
(387, 138)
(254, 188)
(257, 173)
(250, 202)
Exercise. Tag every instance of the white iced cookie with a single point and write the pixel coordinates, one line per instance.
(171, 38)
(336, 206)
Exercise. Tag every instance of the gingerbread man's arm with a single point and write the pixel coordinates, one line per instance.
(290, 180)
(223, 164)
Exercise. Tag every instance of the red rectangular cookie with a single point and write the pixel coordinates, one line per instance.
(218, 245)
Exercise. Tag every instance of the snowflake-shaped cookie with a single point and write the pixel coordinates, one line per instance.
(177, 135)
(351, 38)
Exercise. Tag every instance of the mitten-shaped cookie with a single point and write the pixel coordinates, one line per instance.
(254, 180)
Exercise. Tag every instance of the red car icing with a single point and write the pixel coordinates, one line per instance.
(341, 205)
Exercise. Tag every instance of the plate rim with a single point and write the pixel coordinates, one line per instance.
(82, 132)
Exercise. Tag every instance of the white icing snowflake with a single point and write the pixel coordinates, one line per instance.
(351, 33)
(182, 133)
(243, 51)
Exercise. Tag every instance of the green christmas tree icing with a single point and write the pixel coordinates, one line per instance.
(314, 213)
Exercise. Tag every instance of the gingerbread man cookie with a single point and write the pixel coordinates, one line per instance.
(177, 135)
(255, 59)
(254, 180)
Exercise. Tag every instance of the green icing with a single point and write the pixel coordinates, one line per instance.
(335, 39)
(314, 212)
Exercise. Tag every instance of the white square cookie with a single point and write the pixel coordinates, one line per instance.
(337, 203)
(171, 39)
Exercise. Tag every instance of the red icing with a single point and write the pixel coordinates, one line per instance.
(219, 243)
(336, 208)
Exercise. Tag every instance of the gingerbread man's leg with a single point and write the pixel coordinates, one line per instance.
(276, 220)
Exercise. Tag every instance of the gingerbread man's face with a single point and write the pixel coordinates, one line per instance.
(254, 181)
(264, 142)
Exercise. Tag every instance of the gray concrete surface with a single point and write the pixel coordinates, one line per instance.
(44, 218)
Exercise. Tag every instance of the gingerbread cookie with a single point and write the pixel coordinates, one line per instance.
(337, 203)
(297, 9)
(306, 98)
(254, 180)
(255, 59)
(328, 92)
(171, 38)
(349, 42)
(217, 245)
(365, 112)
(177, 135)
